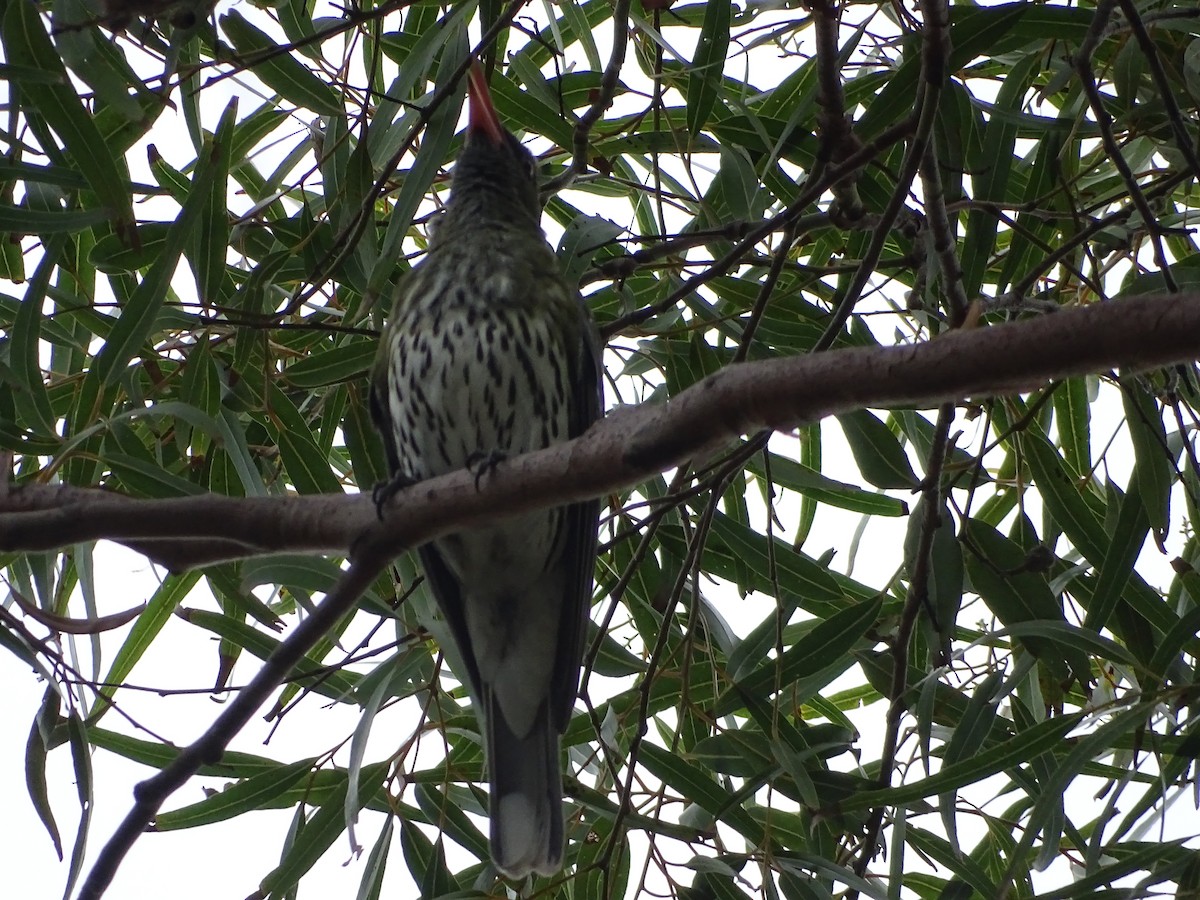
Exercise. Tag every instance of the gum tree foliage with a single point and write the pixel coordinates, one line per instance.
(877, 655)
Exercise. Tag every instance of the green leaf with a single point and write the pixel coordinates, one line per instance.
(449, 812)
(306, 465)
(147, 478)
(426, 861)
(212, 233)
(583, 236)
(602, 843)
(1071, 764)
(297, 571)
(706, 73)
(999, 571)
(1128, 536)
(30, 393)
(738, 752)
(371, 886)
(879, 455)
(319, 833)
(612, 660)
(309, 672)
(81, 761)
(141, 311)
(343, 363)
(940, 851)
(695, 785)
(522, 107)
(735, 548)
(20, 219)
(1155, 468)
(970, 734)
(945, 579)
(580, 29)
(261, 791)
(112, 256)
(826, 491)
(157, 613)
(1072, 416)
(233, 764)
(280, 71)
(27, 44)
(992, 182)
(1045, 737)
(1073, 509)
(824, 649)
(36, 752)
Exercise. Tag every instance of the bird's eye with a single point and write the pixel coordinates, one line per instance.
(529, 162)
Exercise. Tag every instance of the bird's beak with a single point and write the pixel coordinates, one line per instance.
(483, 116)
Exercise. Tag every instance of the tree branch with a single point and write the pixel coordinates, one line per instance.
(628, 446)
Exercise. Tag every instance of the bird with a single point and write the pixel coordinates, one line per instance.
(489, 353)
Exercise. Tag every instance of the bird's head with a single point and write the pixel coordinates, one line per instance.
(494, 172)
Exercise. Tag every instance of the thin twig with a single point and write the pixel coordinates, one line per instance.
(1184, 142)
(1083, 67)
(608, 89)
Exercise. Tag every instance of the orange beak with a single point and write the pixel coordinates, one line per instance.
(482, 114)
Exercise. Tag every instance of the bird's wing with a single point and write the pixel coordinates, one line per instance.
(381, 414)
(448, 593)
(579, 550)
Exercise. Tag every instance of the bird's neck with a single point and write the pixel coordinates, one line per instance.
(483, 213)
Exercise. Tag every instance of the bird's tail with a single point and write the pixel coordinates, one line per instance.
(526, 798)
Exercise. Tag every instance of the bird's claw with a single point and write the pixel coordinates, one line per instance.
(480, 463)
(386, 490)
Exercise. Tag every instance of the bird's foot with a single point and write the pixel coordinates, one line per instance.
(386, 490)
(480, 463)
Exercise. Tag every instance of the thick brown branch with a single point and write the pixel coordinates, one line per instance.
(630, 445)
(1135, 334)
